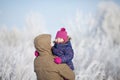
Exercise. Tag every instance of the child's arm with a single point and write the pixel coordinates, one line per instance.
(56, 51)
(65, 58)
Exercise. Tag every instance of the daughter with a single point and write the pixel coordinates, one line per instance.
(62, 49)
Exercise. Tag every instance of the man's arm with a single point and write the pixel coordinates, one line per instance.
(66, 72)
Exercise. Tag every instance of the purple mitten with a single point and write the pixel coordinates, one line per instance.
(36, 53)
(57, 60)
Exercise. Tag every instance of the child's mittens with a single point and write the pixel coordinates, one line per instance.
(36, 53)
(57, 60)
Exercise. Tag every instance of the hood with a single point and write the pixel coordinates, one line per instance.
(42, 44)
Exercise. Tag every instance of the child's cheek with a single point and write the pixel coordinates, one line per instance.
(58, 41)
(61, 40)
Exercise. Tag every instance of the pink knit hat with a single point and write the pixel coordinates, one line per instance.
(62, 34)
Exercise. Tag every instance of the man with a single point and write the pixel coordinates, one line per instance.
(44, 65)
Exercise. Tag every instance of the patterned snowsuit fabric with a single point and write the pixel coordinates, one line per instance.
(65, 52)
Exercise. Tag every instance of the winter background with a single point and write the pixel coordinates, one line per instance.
(94, 26)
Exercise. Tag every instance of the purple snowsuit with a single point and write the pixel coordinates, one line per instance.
(65, 52)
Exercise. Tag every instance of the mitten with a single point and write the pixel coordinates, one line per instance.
(57, 60)
(36, 53)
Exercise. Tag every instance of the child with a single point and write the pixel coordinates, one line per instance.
(62, 49)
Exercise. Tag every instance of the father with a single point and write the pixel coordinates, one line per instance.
(44, 65)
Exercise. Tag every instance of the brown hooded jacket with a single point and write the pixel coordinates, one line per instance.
(44, 65)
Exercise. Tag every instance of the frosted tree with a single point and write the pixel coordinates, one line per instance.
(17, 49)
(96, 42)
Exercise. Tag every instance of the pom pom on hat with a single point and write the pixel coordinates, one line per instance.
(62, 34)
(62, 29)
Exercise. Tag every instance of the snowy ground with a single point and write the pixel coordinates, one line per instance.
(96, 43)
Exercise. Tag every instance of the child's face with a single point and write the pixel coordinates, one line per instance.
(59, 40)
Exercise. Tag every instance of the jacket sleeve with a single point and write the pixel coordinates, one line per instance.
(66, 72)
(56, 51)
(69, 54)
